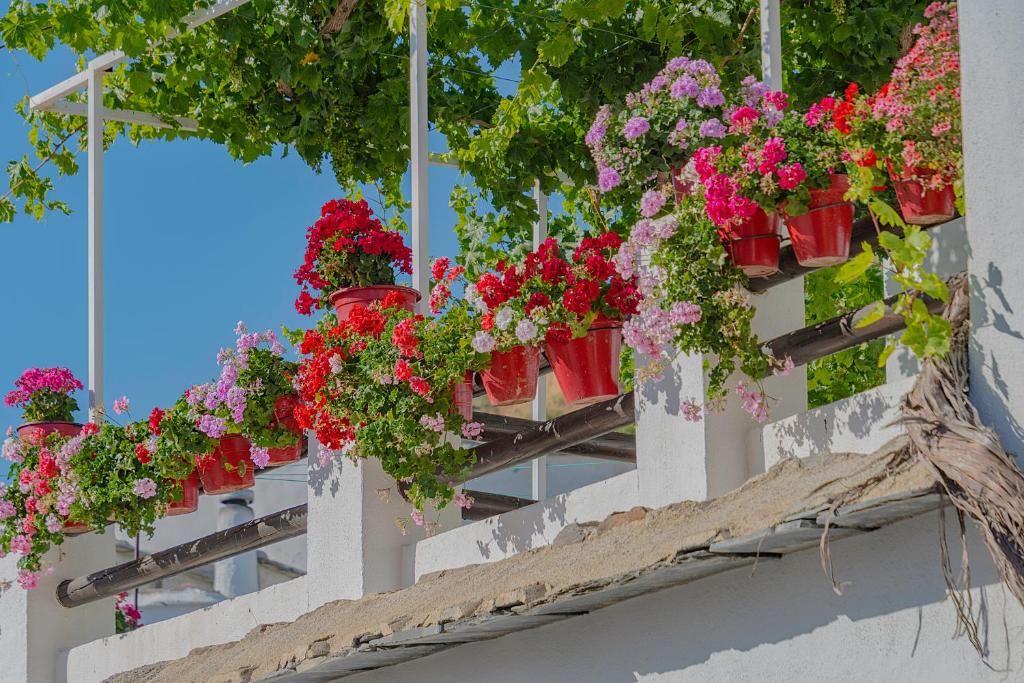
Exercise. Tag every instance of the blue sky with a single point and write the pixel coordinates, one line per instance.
(195, 241)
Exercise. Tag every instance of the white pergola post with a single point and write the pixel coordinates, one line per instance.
(771, 43)
(539, 467)
(419, 148)
(993, 117)
(95, 211)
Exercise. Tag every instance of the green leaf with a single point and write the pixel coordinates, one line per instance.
(853, 269)
(873, 315)
(557, 49)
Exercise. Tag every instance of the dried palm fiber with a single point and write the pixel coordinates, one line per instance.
(980, 478)
(970, 466)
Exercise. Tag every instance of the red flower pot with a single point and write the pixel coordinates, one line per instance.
(587, 368)
(918, 204)
(512, 377)
(821, 237)
(75, 528)
(284, 417)
(463, 397)
(344, 300)
(681, 188)
(189, 497)
(753, 245)
(232, 449)
(35, 432)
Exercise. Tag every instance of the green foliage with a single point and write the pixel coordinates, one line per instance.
(835, 291)
(46, 405)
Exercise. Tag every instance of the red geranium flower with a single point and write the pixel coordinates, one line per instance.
(142, 454)
(156, 416)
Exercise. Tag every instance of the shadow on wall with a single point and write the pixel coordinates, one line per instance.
(781, 624)
(513, 533)
(990, 386)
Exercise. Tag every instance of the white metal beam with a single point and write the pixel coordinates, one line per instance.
(95, 213)
(539, 467)
(125, 116)
(46, 100)
(771, 43)
(419, 147)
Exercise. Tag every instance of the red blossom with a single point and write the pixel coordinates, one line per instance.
(156, 416)
(47, 465)
(402, 371)
(420, 386)
(142, 454)
(90, 428)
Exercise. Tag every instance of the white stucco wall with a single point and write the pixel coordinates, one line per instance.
(223, 622)
(782, 624)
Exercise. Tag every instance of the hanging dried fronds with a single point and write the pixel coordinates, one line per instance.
(980, 478)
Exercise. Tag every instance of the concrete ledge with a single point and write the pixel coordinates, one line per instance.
(534, 526)
(859, 424)
(224, 622)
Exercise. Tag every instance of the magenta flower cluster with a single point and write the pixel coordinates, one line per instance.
(57, 380)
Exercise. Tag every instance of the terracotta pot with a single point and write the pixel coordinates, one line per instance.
(918, 204)
(753, 245)
(512, 377)
(35, 432)
(821, 237)
(344, 300)
(75, 528)
(681, 188)
(284, 415)
(463, 397)
(587, 368)
(189, 497)
(232, 449)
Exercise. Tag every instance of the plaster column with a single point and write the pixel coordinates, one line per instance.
(681, 460)
(359, 528)
(993, 116)
(236, 575)
(35, 631)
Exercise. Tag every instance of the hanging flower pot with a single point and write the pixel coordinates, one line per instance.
(512, 376)
(918, 204)
(681, 187)
(344, 300)
(753, 245)
(821, 237)
(72, 528)
(463, 397)
(232, 450)
(189, 497)
(587, 368)
(35, 432)
(284, 417)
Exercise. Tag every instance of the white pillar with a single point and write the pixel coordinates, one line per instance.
(680, 460)
(354, 538)
(95, 255)
(419, 148)
(236, 575)
(993, 116)
(35, 631)
(771, 43)
(539, 466)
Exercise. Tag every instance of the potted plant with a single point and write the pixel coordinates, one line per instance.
(382, 384)
(510, 331)
(44, 395)
(350, 260)
(771, 166)
(577, 303)
(920, 110)
(203, 424)
(256, 371)
(660, 126)
(178, 468)
(42, 502)
(693, 300)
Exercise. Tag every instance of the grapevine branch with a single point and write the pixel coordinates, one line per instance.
(47, 159)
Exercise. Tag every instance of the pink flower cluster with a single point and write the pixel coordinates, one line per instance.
(57, 380)
(754, 402)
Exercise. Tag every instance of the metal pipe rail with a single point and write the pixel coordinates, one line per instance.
(216, 546)
(588, 425)
(611, 446)
(487, 504)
